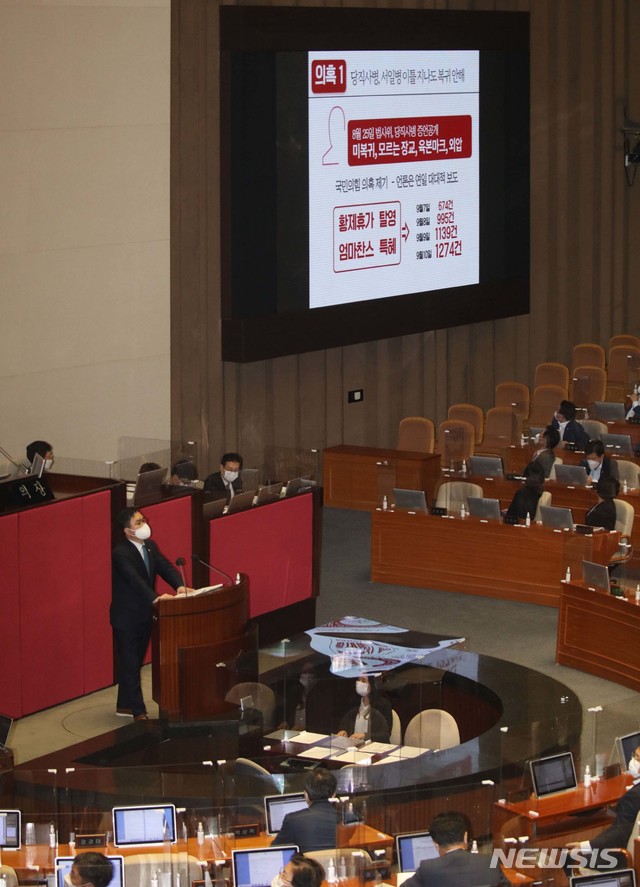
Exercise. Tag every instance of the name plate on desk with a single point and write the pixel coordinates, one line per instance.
(91, 841)
(246, 830)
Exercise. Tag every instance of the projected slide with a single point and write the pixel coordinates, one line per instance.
(393, 173)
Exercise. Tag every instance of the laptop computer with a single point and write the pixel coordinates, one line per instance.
(410, 500)
(269, 493)
(148, 486)
(5, 728)
(486, 466)
(63, 867)
(556, 517)
(615, 878)
(150, 824)
(608, 411)
(488, 509)
(412, 848)
(215, 508)
(259, 866)
(276, 808)
(575, 475)
(10, 829)
(596, 576)
(626, 747)
(299, 485)
(617, 443)
(240, 501)
(553, 775)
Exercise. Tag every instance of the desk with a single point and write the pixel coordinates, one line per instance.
(357, 477)
(599, 634)
(483, 558)
(357, 837)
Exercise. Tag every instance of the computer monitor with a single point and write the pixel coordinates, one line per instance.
(276, 808)
(412, 848)
(269, 493)
(596, 576)
(10, 829)
(615, 878)
(215, 508)
(607, 411)
(553, 775)
(576, 475)
(410, 500)
(5, 727)
(150, 824)
(555, 517)
(486, 466)
(63, 867)
(259, 866)
(626, 747)
(617, 443)
(148, 486)
(241, 501)
(488, 509)
(299, 485)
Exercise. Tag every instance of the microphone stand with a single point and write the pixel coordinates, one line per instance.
(196, 557)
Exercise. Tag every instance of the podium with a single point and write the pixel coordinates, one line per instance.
(187, 634)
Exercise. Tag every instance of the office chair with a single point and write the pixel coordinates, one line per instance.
(515, 395)
(588, 384)
(588, 354)
(552, 473)
(544, 403)
(264, 699)
(624, 517)
(395, 738)
(9, 874)
(455, 441)
(545, 499)
(417, 434)
(628, 471)
(624, 339)
(593, 428)
(140, 868)
(452, 494)
(552, 374)
(503, 428)
(432, 728)
(469, 413)
(623, 370)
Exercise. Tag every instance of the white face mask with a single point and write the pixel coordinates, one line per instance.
(277, 881)
(593, 463)
(143, 532)
(48, 464)
(634, 767)
(230, 476)
(362, 688)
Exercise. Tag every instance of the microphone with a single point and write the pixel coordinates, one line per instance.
(180, 562)
(196, 557)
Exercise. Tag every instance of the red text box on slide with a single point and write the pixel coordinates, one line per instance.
(409, 139)
(366, 235)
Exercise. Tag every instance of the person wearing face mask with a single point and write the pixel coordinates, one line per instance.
(371, 719)
(42, 448)
(292, 711)
(571, 431)
(227, 480)
(315, 827)
(603, 513)
(300, 871)
(597, 464)
(136, 562)
(90, 869)
(634, 765)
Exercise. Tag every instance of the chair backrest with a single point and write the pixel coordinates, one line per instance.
(588, 354)
(452, 494)
(416, 433)
(623, 366)
(552, 374)
(624, 339)
(628, 471)
(632, 837)
(140, 868)
(503, 427)
(556, 461)
(432, 728)
(545, 499)
(588, 384)
(624, 517)
(9, 874)
(593, 428)
(469, 412)
(396, 728)
(544, 403)
(455, 441)
(264, 699)
(515, 395)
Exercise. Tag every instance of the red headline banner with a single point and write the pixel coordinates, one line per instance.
(409, 139)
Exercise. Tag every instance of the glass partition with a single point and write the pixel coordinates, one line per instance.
(283, 464)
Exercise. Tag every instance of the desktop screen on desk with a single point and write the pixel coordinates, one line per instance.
(276, 808)
(258, 867)
(413, 848)
(553, 774)
(144, 825)
(63, 868)
(10, 829)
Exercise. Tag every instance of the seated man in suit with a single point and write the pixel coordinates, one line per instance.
(597, 464)
(227, 480)
(571, 431)
(619, 832)
(91, 869)
(455, 866)
(603, 513)
(315, 827)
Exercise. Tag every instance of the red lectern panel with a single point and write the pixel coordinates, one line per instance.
(10, 675)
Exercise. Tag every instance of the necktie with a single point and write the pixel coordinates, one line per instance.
(145, 558)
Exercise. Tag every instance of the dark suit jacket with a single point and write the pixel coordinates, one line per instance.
(459, 868)
(617, 835)
(215, 484)
(132, 588)
(609, 467)
(524, 502)
(573, 433)
(602, 515)
(311, 829)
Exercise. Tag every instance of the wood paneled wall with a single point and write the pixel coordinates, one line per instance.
(585, 261)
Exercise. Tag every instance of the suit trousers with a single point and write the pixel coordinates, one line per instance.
(131, 644)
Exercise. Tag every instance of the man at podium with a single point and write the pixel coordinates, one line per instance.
(136, 562)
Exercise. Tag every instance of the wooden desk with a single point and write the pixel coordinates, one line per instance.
(357, 837)
(358, 477)
(549, 817)
(599, 634)
(483, 558)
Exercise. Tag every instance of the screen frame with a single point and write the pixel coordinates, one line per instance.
(18, 844)
(118, 843)
(247, 851)
(540, 761)
(410, 836)
(274, 799)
